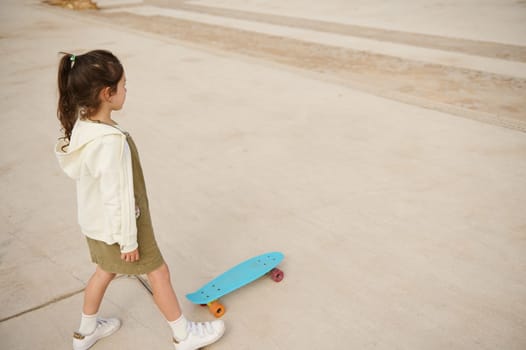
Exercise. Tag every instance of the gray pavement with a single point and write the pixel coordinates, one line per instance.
(402, 227)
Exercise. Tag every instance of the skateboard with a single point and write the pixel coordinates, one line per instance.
(235, 278)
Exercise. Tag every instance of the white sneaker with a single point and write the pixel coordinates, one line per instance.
(105, 327)
(200, 335)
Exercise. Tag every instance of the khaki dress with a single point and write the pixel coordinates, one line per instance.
(108, 257)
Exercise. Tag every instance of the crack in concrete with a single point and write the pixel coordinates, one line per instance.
(145, 284)
(51, 302)
(41, 306)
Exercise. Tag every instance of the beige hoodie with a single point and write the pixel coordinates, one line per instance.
(99, 159)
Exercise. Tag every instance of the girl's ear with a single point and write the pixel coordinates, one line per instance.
(105, 94)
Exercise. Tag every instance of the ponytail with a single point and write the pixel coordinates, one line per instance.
(67, 110)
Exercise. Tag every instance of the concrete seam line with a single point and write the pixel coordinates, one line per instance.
(52, 301)
(38, 307)
(145, 284)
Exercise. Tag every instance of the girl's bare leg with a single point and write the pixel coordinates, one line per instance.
(163, 293)
(94, 292)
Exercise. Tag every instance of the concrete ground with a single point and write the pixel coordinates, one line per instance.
(400, 209)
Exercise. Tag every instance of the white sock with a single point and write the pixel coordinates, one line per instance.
(88, 323)
(179, 328)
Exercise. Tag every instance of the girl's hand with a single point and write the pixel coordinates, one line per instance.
(131, 256)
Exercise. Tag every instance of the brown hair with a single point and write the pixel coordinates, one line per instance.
(80, 81)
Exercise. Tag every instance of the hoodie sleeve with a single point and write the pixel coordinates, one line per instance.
(111, 164)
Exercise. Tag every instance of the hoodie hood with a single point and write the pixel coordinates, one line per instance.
(84, 132)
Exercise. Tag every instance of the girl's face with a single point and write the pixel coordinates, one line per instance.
(117, 100)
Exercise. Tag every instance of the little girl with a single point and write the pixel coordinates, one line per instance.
(113, 210)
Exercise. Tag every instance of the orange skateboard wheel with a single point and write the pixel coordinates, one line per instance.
(216, 308)
(276, 275)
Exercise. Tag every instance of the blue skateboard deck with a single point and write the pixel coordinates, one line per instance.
(235, 278)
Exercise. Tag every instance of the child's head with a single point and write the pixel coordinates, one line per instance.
(81, 79)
